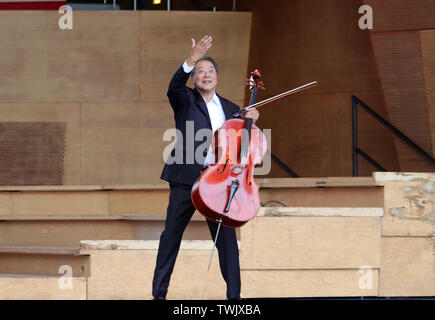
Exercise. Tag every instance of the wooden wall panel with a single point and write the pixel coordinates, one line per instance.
(128, 138)
(408, 267)
(389, 15)
(52, 112)
(404, 66)
(165, 45)
(294, 42)
(307, 283)
(41, 288)
(128, 274)
(108, 63)
(5, 204)
(305, 242)
(427, 39)
(61, 233)
(43, 264)
(304, 41)
(123, 143)
(60, 203)
(325, 197)
(98, 60)
(138, 202)
(315, 136)
(400, 68)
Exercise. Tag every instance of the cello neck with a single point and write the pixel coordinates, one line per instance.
(253, 95)
(246, 137)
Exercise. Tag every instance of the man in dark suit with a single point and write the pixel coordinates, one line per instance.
(195, 109)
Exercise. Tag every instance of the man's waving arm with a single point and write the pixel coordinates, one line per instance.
(177, 86)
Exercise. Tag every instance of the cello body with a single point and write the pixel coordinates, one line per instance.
(226, 191)
(213, 192)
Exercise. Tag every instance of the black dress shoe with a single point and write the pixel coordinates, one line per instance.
(159, 298)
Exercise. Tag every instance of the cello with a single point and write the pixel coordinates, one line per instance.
(226, 191)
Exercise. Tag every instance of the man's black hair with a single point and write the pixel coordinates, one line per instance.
(206, 58)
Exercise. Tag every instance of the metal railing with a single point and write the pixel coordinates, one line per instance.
(283, 166)
(357, 151)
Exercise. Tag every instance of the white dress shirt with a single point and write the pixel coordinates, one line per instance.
(217, 117)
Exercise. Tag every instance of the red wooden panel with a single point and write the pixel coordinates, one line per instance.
(32, 5)
(402, 14)
(400, 68)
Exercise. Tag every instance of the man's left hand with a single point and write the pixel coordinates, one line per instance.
(253, 114)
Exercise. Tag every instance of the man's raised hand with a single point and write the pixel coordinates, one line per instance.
(199, 49)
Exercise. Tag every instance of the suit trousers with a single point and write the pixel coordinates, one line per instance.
(179, 213)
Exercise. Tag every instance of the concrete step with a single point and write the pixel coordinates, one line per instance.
(42, 287)
(64, 215)
(48, 261)
(67, 231)
(116, 201)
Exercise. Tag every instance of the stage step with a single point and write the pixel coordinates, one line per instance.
(64, 215)
(124, 270)
(39, 250)
(333, 237)
(117, 201)
(291, 252)
(40, 287)
(67, 231)
(49, 261)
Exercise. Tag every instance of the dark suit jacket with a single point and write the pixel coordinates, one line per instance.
(188, 105)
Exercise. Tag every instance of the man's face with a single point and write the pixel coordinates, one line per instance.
(205, 77)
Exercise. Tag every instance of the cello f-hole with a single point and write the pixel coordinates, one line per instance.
(247, 176)
(223, 169)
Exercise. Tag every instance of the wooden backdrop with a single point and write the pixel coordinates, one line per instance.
(403, 39)
(88, 106)
(304, 41)
(95, 95)
(390, 68)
